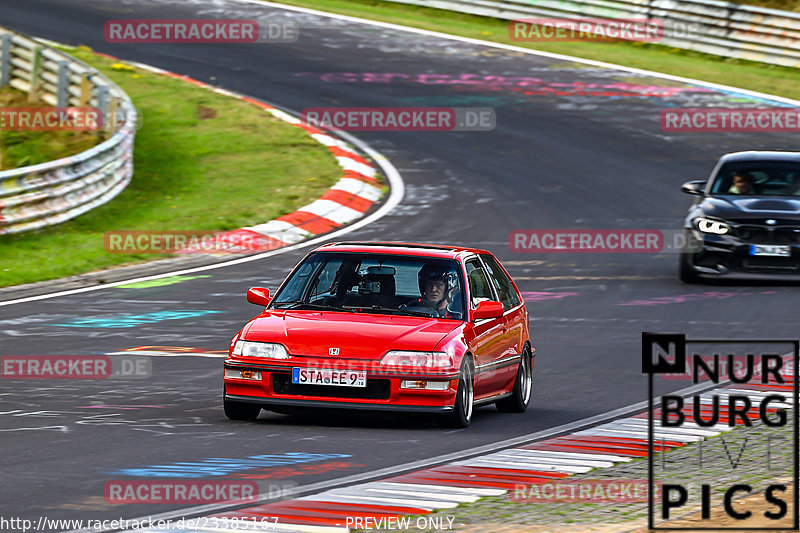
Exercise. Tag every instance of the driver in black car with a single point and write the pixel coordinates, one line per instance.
(743, 183)
(435, 290)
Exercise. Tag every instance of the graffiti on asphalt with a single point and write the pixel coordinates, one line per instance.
(161, 282)
(692, 297)
(530, 83)
(219, 466)
(540, 296)
(301, 470)
(171, 351)
(129, 321)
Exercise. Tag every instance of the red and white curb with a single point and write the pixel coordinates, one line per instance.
(447, 486)
(348, 200)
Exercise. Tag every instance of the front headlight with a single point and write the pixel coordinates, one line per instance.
(424, 359)
(715, 227)
(269, 350)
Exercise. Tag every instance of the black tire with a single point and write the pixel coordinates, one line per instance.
(523, 387)
(465, 398)
(685, 272)
(239, 410)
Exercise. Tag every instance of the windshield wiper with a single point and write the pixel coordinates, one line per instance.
(298, 304)
(388, 309)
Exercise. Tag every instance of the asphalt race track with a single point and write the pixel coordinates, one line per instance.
(575, 147)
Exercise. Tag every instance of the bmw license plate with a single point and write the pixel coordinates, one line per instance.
(336, 378)
(770, 250)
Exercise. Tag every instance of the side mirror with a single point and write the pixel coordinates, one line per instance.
(694, 187)
(488, 309)
(258, 296)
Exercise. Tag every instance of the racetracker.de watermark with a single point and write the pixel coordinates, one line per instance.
(50, 119)
(179, 491)
(400, 118)
(619, 241)
(75, 367)
(585, 29)
(195, 31)
(186, 242)
(775, 119)
(582, 491)
(353, 372)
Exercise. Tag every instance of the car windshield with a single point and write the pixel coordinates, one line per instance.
(375, 283)
(758, 178)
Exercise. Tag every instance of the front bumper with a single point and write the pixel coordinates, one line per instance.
(383, 391)
(724, 257)
(291, 402)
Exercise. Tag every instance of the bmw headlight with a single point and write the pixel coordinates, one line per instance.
(715, 227)
(269, 350)
(423, 359)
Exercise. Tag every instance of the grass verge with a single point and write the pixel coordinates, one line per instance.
(771, 79)
(203, 161)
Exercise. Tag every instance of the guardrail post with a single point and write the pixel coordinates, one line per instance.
(113, 110)
(86, 89)
(36, 72)
(102, 102)
(62, 96)
(5, 59)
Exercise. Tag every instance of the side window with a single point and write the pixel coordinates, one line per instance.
(479, 288)
(503, 285)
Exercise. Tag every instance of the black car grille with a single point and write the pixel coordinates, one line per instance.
(770, 263)
(376, 389)
(768, 234)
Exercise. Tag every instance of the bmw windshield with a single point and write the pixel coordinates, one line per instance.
(758, 178)
(375, 283)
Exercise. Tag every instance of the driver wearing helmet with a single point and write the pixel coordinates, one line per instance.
(434, 285)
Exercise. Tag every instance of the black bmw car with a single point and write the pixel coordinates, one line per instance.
(745, 221)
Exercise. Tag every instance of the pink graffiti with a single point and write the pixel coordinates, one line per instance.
(683, 298)
(526, 84)
(124, 407)
(540, 296)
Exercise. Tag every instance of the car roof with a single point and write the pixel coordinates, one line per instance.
(765, 155)
(401, 248)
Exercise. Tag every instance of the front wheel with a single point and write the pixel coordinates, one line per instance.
(685, 272)
(462, 410)
(240, 411)
(523, 386)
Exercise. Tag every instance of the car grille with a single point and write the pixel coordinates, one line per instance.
(771, 263)
(376, 389)
(768, 235)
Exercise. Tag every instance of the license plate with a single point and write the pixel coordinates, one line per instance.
(336, 378)
(774, 251)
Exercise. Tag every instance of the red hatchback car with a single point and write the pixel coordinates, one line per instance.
(385, 326)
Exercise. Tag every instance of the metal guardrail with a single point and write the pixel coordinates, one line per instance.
(36, 196)
(710, 26)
